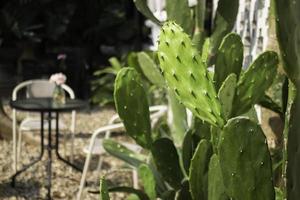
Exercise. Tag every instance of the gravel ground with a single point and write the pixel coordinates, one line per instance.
(65, 182)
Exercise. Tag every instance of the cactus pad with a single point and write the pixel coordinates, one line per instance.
(123, 153)
(229, 58)
(254, 82)
(167, 161)
(132, 106)
(199, 170)
(245, 161)
(150, 69)
(226, 94)
(103, 190)
(186, 74)
(216, 188)
(148, 180)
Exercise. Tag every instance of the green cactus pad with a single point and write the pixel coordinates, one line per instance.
(142, 6)
(187, 150)
(123, 153)
(254, 82)
(245, 161)
(147, 180)
(288, 34)
(216, 188)
(229, 58)
(103, 190)
(226, 94)
(199, 170)
(167, 161)
(179, 11)
(205, 51)
(132, 106)
(225, 19)
(178, 124)
(186, 74)
(150, 69)
(292, 130)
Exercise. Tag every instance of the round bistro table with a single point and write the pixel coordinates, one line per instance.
(47, 106)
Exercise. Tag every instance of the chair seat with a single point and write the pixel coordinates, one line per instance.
(34, 124)
(98, 148)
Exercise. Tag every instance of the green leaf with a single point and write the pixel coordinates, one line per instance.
(216, 188)
(148, 181)
(199, 170)
(142, 6)
(115, 63)
(224, 22)
(132, 106)
(227, 93)
(254, 82)
(167, 161)
(178, 125)
(229, 59)
(245, 161)
(179, 11)
(103, 190)
(150, 69)
(116, 149)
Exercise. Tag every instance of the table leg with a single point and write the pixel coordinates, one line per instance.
(36, 160)
(49, 149)
(57, 146)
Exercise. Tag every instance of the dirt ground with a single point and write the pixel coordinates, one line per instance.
(65, 182)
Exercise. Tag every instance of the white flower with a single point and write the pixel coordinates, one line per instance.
(61, 56)
(58, 78)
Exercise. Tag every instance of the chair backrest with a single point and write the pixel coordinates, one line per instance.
(39, 88)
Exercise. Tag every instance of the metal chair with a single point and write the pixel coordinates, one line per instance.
(95, 144)
(37, 89)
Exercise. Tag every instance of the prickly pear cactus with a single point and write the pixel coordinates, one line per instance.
(179, 11)
(132, 106)
(245, 161)
(150, 69)
(254, 82)
(103, 190)
(167, 161)
(229, 58)
(186, 74)
(199, 170)
(216, 188)
(288, 34)
(114, 148)
(224, 22)
(226, 94)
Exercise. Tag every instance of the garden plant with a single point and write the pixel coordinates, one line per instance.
(224, 154)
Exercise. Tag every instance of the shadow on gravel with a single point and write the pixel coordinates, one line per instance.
(28, 189)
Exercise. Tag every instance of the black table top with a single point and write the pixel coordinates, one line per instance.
(47, 105)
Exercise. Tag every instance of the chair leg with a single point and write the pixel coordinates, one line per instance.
(14, 137)
(19, 146)
(72, 146)
(135, 179)
(65, 143)
(85, 169)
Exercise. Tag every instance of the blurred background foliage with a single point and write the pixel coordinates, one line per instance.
(34, 32)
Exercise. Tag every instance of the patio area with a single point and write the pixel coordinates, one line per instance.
(65, 182)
